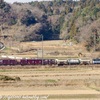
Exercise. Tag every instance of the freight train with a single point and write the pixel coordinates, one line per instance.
(58, 62)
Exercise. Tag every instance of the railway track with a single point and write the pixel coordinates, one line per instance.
(92, 66)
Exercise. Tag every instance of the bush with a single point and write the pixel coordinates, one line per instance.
(2, 5)
(17, 78)
(28, 20)
(7, 8)
(12, 21)
(8, 78)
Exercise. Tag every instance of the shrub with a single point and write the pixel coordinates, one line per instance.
(2, 5)
(28, 20)
(12, 21)
(8, 78)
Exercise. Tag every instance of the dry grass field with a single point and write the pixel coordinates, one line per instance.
(51, 49)
(58, 83)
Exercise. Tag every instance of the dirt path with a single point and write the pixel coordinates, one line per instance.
(49, 92)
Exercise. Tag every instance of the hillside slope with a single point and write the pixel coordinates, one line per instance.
(58, 19)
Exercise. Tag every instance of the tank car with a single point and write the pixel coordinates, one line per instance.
(73, 61)
(61, 62)
(85, 62)
(96, 61)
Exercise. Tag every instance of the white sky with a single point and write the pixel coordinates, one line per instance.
(11, 1)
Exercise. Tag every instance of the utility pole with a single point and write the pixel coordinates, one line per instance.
(94, 42)
(37, 53)
(42, 48)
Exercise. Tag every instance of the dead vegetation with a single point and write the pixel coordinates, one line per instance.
(51, 49)
(58, 83)
(9, 78)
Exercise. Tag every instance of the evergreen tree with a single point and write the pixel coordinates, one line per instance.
(73, 31)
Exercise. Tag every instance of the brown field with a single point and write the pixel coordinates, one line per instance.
(51, 49)
(58, 83)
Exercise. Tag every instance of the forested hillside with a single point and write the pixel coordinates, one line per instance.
(57, 19)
